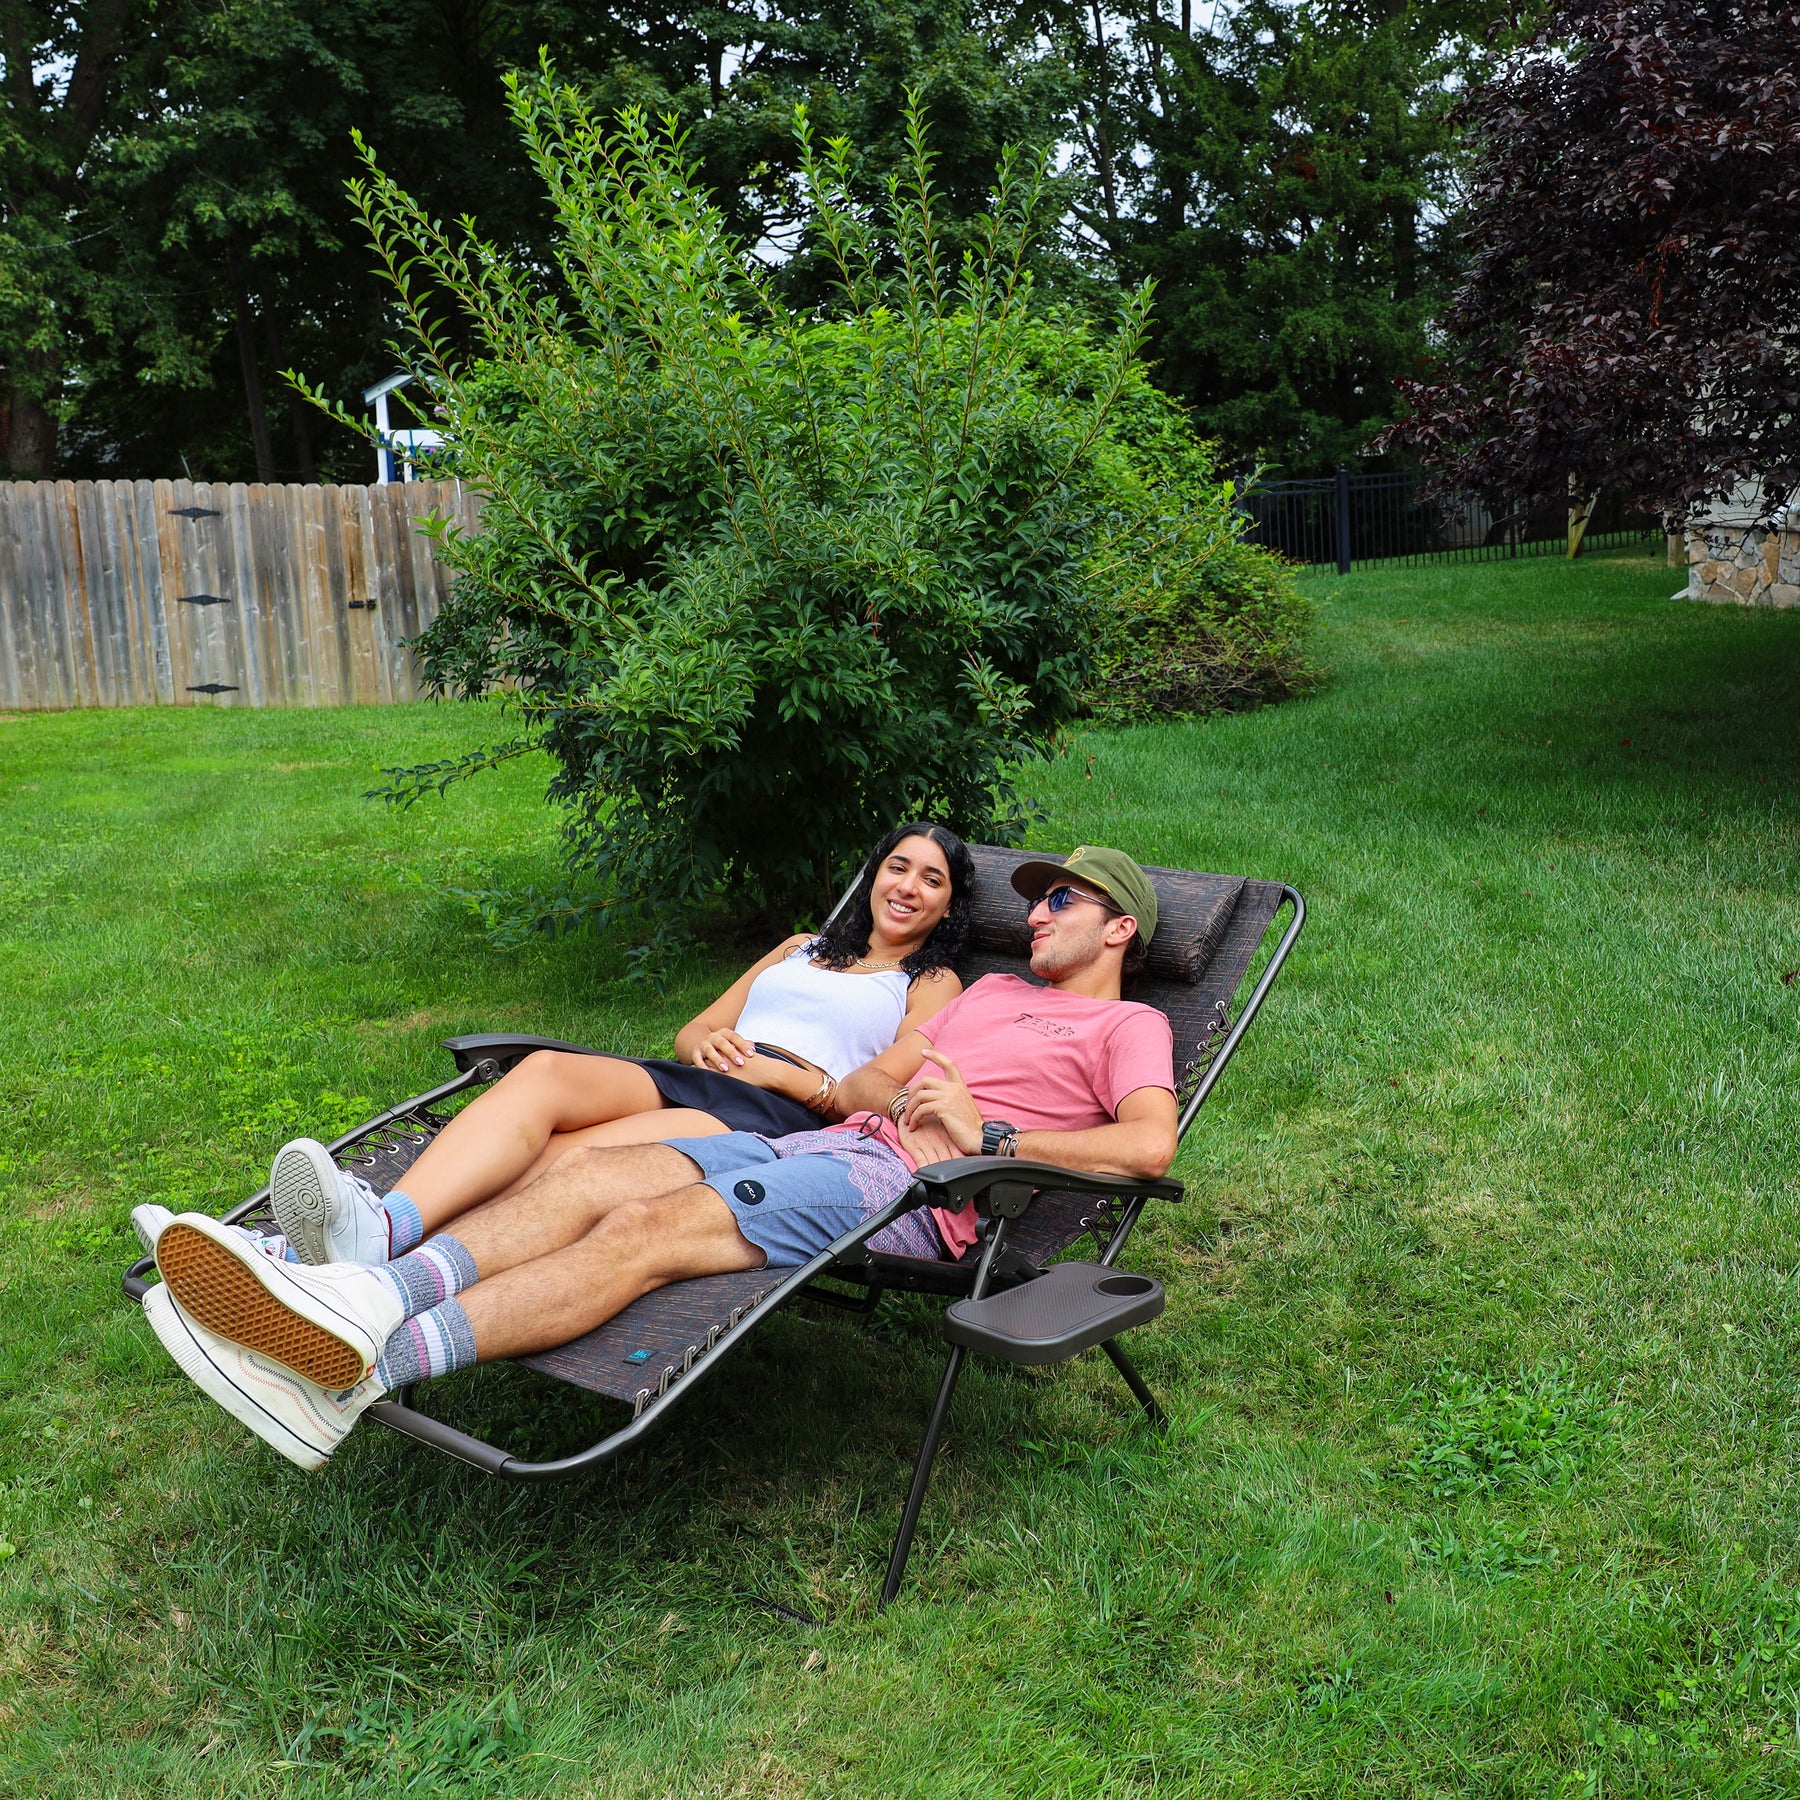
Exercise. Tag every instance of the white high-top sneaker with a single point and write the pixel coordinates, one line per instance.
(302, 1420)
(149, 1219)
(328, 1214)
(329, 1324)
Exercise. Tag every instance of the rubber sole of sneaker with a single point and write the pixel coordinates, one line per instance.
(225, 1297)
(300, 1200)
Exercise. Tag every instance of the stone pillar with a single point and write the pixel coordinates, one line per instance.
(1748, 565)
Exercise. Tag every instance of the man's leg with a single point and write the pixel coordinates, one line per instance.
(640, 1245)
(542, 1286)
(567, 1201)
(558, 1261)
(331, 1324)
(756, 1205)
(606, 1236)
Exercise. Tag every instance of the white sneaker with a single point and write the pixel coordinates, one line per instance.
(328, 1324)
(149, 1219)
(329, 1215)
(297, 1417)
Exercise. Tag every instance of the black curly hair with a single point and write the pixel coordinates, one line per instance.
(847, 933)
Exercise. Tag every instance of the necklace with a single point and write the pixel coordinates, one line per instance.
(862, 962)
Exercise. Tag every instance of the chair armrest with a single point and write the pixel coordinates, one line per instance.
(1002, 1186)
(505, 1048)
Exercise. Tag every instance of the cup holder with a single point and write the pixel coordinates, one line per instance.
(1124, 1285)
(1069, 1308)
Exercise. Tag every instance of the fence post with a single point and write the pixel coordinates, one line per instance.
(1343, 520)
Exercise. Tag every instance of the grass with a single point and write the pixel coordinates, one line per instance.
(1481, 1345)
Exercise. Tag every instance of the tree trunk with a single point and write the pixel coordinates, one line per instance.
(253, 397)
(30, 425)
(1406, 250)
(1102, 151)
(299, 412)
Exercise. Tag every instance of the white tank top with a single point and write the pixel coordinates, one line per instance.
(835, 1019)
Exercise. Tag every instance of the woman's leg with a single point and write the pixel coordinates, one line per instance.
(498, 1137)
(639, 1128)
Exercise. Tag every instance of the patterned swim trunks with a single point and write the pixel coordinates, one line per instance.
(792, 1196)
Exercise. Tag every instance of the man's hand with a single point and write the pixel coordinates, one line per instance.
(942, 1119)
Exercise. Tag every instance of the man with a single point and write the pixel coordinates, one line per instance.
(1067, 1073)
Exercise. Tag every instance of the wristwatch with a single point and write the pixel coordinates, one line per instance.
(998, 1138)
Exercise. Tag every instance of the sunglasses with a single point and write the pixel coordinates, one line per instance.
(1060, 898)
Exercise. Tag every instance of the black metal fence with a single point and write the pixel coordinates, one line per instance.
(1345, 519)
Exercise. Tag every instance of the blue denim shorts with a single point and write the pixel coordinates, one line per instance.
(792, 1196)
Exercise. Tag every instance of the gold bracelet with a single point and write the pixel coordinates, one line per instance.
(822, 1099)
(897, 1105)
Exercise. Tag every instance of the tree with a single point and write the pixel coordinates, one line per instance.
(762, 580)
(1284, 171)
(1630, 319)
(200, 218)
(247, 251)
(73, 77)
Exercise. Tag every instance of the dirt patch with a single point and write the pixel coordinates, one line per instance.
(437, 1018)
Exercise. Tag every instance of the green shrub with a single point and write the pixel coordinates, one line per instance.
(1229, 629)
(760, 581)
(1233, 638)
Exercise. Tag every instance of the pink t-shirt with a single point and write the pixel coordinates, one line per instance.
(1042, 1060)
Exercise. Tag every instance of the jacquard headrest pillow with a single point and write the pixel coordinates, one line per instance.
(1194, 909)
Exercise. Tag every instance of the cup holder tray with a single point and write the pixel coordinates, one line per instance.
(1069, 1308)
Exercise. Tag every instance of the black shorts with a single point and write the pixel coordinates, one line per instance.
(737, 1105)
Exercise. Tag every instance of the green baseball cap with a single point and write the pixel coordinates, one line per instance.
(1111, 871)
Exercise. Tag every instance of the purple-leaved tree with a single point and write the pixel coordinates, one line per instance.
(1630, 318)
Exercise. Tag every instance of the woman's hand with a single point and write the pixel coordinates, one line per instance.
(727, 1052)
(723, 1051)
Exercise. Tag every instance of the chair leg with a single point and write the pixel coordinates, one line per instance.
(1159, 1420)
(915, 1497)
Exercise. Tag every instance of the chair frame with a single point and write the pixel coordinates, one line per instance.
(1003, 1190)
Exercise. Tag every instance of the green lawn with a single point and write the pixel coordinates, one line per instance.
(1481, 1343)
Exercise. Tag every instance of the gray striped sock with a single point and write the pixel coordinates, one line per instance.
(432, 1344)
(438, 1270)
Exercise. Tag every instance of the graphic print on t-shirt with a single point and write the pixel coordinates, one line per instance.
(1049, 1061)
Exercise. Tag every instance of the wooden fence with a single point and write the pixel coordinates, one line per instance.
(181, 593)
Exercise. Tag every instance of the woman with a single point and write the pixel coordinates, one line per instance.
(766, 1056)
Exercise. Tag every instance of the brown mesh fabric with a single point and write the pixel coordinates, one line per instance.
(217, 1291)
(630, 1353)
